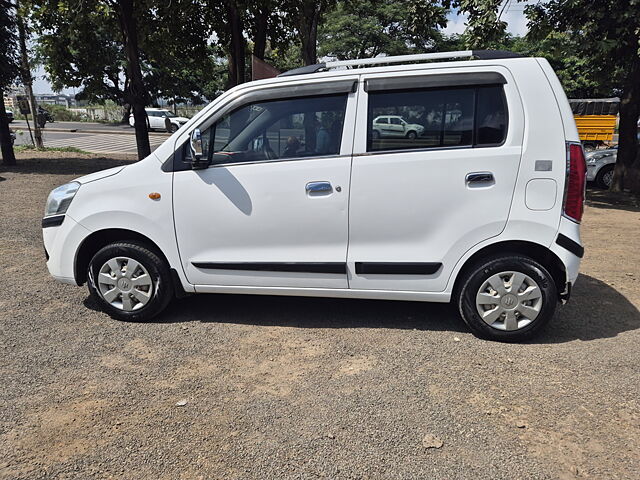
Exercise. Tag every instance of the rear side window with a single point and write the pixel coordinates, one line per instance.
(437, 118)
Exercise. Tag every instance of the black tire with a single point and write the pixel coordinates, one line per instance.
(466, 296)
(602, 177)
(161, 290)
(412, 135)
(173, 128)
(375, 134)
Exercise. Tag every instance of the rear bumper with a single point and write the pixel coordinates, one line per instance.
(568, 247)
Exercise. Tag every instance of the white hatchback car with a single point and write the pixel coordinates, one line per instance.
(395, 126)
(161, 119)
(279, 187)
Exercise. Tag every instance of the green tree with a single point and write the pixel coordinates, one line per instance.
(607, 35)
(574, 71)
(367, 28)
(304, 18)
(82, 51)
(484, 27)
(9, 70)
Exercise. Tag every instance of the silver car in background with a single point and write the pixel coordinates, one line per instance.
(600, 165)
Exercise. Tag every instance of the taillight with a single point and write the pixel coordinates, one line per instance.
(575, 182)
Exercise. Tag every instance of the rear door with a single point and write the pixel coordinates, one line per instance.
(417, 205)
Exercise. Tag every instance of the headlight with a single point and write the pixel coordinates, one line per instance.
(60, 198)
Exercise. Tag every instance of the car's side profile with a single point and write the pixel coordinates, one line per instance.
(395, 126)
(281, 187)
(600, 165)
(161, 119)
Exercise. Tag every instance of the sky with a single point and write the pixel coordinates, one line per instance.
(513, 14)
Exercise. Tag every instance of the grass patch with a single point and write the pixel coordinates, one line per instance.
(30, 148)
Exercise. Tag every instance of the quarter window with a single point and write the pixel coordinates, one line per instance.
(437, 118)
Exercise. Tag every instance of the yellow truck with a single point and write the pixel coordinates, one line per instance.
(596, 120)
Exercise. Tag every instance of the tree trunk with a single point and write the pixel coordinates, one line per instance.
(310, 16)
(260, 35)
(26, 78)
(125, 115)
(627, 169)
(237, 44)
(8, 157)
(136, 94)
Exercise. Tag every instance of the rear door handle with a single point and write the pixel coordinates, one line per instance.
(480, 178)
(319, 188)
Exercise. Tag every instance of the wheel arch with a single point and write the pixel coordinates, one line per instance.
(98, 239)
(535, 251)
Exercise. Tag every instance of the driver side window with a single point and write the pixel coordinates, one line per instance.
(278, 129)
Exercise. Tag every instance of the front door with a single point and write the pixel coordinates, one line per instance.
(272, 209)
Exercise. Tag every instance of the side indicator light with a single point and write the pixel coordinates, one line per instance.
(154, 196)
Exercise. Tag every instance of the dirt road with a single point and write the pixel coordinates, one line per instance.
(311, 388)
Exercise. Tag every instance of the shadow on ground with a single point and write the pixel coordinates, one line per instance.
(599, 198)
(595, 311)
(61, 163)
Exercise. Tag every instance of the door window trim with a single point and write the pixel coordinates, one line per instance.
(473, 145)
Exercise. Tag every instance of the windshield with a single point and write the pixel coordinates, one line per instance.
(169, 114)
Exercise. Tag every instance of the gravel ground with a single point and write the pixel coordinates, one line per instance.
(225, 386)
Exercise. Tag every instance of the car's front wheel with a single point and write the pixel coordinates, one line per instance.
(507, 298)
(130, 281)
(412, 135)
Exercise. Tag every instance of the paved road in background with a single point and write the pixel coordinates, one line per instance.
(93, 142)
(103, 127)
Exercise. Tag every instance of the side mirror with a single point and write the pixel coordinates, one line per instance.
(197, 158)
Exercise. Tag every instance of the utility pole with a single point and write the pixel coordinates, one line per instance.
(26, 77)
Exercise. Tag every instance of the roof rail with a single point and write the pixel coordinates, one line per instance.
(479, 54)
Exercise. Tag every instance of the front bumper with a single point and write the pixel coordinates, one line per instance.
(61, 242)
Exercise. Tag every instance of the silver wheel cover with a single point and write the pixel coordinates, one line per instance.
(509, 301)
(124, 283)
(607, 178)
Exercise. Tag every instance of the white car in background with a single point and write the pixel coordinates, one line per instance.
(395, 126)
(600, 165)
(158, 118)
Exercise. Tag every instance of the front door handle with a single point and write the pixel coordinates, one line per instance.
(319, 188)
(480, 178)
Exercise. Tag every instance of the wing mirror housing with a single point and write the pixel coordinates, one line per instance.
(198, 159)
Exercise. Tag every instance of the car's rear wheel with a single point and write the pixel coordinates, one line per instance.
(604, 178)
(507, 298)
(130, 281)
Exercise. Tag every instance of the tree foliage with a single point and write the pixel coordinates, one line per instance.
(367, 28)
(9, 71)
(9, 57)
(81, 46)
(606, 36)
(484, 28)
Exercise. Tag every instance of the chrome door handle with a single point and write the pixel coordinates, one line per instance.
(480, 178)
(319, 188)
